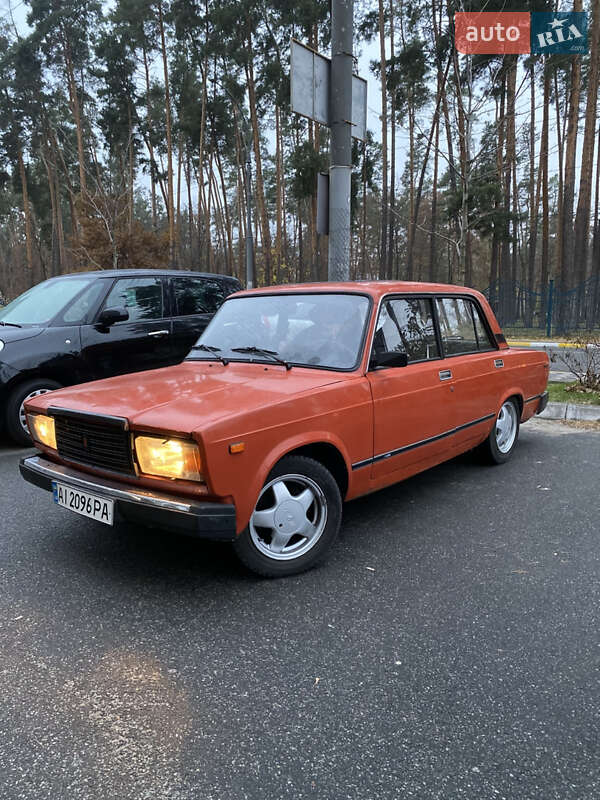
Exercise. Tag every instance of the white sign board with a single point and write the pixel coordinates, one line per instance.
(310, 78)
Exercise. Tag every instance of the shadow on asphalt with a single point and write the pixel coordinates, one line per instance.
(161, 559)
(130, 552)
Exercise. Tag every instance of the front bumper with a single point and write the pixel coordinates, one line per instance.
(156, 510)
(543, 403)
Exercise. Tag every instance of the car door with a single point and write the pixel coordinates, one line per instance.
(413, 406)
(143, 341)
(195, 301)
(473, 362)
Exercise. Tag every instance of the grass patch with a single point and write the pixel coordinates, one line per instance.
(558, 394)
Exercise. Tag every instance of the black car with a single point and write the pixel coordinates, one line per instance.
(90, 325)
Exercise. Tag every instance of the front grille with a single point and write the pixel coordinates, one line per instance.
(94, 441)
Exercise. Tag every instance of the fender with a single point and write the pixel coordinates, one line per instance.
(514, 391)
(245, 504)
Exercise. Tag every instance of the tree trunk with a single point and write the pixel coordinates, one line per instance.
(260, 192)
(419, 191)
(544, 272)
(170, 203)
(26, 212)
(384, 145)
(76, 111)
(584, 202)
(148, 141)
(566, 259)
(392, 195)
(508, 290)
(278, 195)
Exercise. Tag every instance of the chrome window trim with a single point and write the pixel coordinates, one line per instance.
(433, 295)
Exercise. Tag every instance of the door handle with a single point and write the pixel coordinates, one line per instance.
(445, 374)
(158, 333)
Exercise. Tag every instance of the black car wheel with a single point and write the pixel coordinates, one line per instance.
(16, 422)
(295, 521)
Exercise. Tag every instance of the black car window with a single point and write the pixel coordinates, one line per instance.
(142, 297)
(198, 296)
(80, 309)
(405, 325)
(456, 325)
(43, 302)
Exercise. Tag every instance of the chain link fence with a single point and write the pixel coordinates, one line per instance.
(548, 312)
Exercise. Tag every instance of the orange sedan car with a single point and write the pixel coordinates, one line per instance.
(293, 400)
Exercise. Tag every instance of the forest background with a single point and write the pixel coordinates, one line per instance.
(124, 128)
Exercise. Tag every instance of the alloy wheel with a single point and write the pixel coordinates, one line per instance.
(506, 427)
(289, 518)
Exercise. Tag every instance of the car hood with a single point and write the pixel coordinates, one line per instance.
(189, 396)
(9, 334)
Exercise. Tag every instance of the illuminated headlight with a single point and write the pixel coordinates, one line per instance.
(42, 429)
(1, 345)
(169, 458)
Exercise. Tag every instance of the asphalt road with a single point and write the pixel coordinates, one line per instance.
(450, 648)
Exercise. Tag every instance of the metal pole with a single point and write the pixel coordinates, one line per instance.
(340, 108)
(249, 240)
(549, 309)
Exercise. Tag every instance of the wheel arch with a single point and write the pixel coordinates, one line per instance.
(34, 375)
(514, 394)
(322, 447)
(329, 456)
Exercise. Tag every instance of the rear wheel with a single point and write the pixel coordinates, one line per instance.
(16, 422)
(295, 521)
(501, 442)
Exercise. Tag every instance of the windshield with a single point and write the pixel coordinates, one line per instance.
(321, 330)
(43, 302)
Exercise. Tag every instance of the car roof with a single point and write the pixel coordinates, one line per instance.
(374, 288)
(132, 273)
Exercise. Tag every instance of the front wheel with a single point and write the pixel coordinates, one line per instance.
(295, 521)
(501, 442)
(16, 420)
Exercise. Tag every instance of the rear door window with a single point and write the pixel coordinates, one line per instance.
(406, 325)
(461, 327)
(142, 297)
(198, 296)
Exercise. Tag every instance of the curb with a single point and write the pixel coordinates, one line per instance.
(571, 411)
(571, 345)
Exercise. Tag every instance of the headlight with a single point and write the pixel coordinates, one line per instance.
(42, 429)
(169, 458)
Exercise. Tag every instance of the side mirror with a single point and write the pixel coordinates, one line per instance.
(386, 360)
(109, 316)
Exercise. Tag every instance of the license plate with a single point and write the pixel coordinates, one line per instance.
(89, 505)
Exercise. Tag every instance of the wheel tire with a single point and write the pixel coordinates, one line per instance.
(15, 426)
(300, 508)
(500, 444)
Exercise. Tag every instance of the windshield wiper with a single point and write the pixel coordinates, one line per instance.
(272, 354)
(12, 324)
(206, 348)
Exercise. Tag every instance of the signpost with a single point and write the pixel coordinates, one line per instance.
(326, 91)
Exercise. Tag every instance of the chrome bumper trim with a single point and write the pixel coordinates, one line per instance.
(105, 488)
